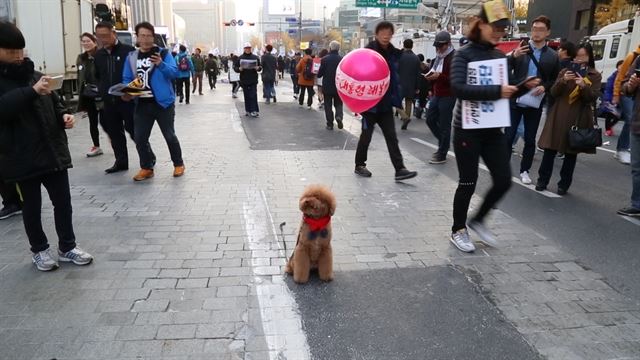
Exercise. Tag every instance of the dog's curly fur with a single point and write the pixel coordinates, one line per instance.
(316, 201)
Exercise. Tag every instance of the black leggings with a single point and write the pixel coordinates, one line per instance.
(57, 185)
(469, 146)
(93, 114)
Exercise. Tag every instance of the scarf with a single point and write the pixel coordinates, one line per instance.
(439, 62)
(576, 92)
(317, 224)
(18, 71)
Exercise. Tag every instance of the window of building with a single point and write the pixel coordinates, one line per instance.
(582, 20)
(615, 44)
(598, 48)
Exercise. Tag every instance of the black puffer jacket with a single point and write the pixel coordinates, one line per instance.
(33, 141)
(461, 90)
(247, 76)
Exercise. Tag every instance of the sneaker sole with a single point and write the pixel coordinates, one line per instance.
(45, 269)
(94, 155)
(459, 248)
(437, 162)
(405, 177)
(65, 260)
(362, 175)
(628, 215)
(10, 215)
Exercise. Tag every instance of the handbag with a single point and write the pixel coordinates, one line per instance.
(585, 139)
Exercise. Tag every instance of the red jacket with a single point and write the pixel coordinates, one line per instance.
(442, 86)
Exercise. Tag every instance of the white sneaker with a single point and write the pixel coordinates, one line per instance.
(76, 256)
(462, 241)
(44, 261)
(483, 233)
(94, 151)
(624, 157)
(524, 176)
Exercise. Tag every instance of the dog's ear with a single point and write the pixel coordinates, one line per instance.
(304, 202)
(332, 203)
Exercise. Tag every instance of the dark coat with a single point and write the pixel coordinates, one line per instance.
(328, 68)
(33, 140)
(563, 116)
(393, 97)
(269, 67)
(408, 69)
(109, 66)
(211, 68)
(247, 76)
(549, 63)
(86, 76)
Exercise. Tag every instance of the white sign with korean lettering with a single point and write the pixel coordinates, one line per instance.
(486, 114)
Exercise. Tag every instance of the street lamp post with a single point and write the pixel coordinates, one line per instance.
(300, 25)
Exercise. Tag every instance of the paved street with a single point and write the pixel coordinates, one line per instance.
(192, 268)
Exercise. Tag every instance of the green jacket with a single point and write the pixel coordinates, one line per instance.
(198, 63)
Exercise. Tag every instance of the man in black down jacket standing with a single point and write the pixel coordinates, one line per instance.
(382, 113)
(328, 67)
(117, 115)
(34, 150)
(248, 66)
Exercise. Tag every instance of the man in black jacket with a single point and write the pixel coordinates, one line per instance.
(382, 113)
(117, 115)
(34, 150)
(533, 59)
(327, 71)
(409, 68)
(248, 66)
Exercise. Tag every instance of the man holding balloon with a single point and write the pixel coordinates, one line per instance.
(368, 83)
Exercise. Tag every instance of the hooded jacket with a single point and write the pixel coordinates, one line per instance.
(33, 141)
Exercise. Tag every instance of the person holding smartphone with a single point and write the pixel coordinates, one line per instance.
(575, 89)
(532, 59)
(34, 150)
(156, 68)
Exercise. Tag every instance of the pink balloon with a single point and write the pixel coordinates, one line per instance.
(362, 79)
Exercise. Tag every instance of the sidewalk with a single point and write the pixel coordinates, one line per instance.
(192, 267)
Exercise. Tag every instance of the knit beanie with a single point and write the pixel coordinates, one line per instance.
(10, 36)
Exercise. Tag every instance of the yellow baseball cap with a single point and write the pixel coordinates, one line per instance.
(496, 13)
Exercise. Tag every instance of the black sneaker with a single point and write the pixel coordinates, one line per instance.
(329, 127)
(275, 100)
(340, 125)
(362, 171)
(562, 191)
(541, 186)
(438, 158)
(405, 123)
(404, 174)
(628, 211)
(9, 211)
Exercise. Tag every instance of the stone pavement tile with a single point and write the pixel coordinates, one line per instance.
(101, 350)
(144, 332)
(183, 347)
(176, 331)
(116, 318)
(151, 349)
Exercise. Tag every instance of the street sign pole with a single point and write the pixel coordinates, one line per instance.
(300, 25)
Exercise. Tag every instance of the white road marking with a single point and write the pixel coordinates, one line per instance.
(631, 220)
(484, 167)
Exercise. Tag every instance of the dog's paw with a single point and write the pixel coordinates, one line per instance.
(300, 279)
(326, 277)
(288, 270)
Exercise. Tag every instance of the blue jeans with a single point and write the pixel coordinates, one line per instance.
(147, 113)
(626, 104)
(439, 120)
(635, 170)
(250, 98)
(268, 89)
(531, 119)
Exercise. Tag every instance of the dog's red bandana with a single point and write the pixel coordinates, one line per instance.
(317, 224)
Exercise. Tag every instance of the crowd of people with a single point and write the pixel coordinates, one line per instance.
(565, 83)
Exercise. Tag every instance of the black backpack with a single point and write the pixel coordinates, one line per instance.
(308, 70)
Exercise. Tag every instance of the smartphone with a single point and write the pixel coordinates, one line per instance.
(155, 50)
(524, 41)
(637, 73)
(55, 83)
(578, 69)
(431, 72)
(520, 85)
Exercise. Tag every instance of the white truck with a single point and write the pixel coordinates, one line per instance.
(52, 30)
(613, 42)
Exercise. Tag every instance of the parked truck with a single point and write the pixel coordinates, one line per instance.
(52, 30)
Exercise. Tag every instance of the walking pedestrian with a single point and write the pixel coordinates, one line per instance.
(306, 78)
(575, 92)
(318, 81)
(248, 65)
(212, 69)
(35, 150)
(607, 109)
(234, 76)
(327, 72)
(198, 71)
(117, 115)
(532, 59)
(409, 68)
(185, 69)
(89, 98)
(269, 69)
(471, 144)
(382, 113)
(441, 106)
(281, 66)
(424, 87)
(631, 89)
(294, 75)
(155, 68)
(626, 107)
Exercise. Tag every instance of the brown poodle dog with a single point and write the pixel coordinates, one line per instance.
(313, 248)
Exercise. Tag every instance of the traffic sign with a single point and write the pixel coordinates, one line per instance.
(233, 22)
(291, 19)
(240, 22)
(398, 4)
(292, 31)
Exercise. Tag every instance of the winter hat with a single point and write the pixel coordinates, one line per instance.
(10, 36)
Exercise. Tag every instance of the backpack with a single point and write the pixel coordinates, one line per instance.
(308, 70)
(183, 64)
